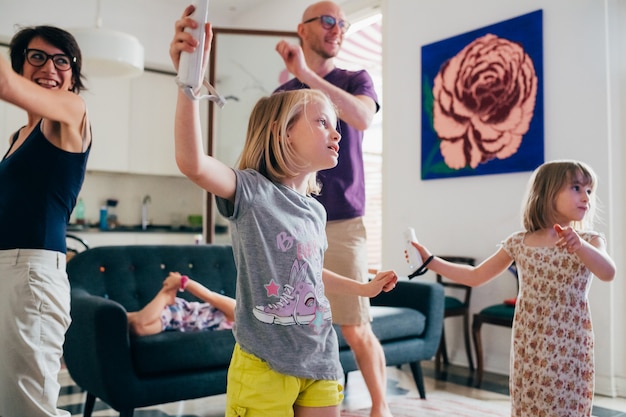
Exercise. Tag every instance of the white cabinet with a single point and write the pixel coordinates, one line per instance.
(153, 103)
(133, 123)
(108, 104)
(95, 239)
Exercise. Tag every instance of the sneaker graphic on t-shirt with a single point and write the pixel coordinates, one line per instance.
(297, 303)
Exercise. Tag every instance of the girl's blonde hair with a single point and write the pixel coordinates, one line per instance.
(546, 182)
(266, 149)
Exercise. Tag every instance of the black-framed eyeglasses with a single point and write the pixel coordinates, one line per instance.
(38, 58)
(329, 22)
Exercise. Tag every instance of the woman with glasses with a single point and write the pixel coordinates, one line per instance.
(312, 63)
(40, 177)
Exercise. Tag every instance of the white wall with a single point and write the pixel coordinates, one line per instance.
(471, 215)
(616, 12)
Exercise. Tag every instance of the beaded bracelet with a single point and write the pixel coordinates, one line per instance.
(422, 269)
(184, 279)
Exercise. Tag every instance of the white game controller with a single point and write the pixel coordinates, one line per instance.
(412, 255)
(190, 76)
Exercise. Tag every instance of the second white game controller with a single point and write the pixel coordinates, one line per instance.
(413, 258)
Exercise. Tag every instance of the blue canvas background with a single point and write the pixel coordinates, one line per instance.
(527, 30)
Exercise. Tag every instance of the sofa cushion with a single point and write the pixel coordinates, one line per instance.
(185, 351)
(393, 323)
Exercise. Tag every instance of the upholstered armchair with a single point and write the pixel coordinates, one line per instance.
(129, 372)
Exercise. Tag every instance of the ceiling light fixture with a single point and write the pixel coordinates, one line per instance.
(108, 53)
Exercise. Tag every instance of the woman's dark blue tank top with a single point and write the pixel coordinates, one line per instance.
(39, 184)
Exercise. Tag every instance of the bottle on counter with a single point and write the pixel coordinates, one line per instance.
(80, 212)
(111, 214)
(104, 224)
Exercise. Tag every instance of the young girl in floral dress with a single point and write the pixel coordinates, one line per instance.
(552, 365)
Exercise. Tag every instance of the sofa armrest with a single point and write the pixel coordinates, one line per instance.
(424, 296)
(97, 344)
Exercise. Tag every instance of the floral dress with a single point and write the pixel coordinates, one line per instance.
(552, 365)
(191, 316)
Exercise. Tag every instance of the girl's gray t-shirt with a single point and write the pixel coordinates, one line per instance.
(282, 315)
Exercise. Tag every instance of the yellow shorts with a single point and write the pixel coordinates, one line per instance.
(255, 390)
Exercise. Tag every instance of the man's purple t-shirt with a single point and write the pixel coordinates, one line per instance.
(343, 187)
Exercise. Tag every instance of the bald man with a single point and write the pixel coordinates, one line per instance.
(322, 31)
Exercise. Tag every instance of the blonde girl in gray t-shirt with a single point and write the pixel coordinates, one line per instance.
(286, 360)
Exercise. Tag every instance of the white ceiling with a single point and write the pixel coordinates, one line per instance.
(152, 21)
(224, 8)
(229, 9)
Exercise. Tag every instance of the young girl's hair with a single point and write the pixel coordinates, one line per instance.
(545, 184)
(265, 149)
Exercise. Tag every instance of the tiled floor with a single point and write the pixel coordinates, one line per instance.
(459, 380)
(454, 379)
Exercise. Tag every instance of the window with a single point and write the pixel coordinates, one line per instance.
(362, 49)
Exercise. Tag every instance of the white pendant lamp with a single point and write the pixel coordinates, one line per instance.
(109, 53)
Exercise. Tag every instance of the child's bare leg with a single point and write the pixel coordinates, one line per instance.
(138, 325)
(148, 320)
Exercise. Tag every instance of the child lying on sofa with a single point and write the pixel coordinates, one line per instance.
(166, 311)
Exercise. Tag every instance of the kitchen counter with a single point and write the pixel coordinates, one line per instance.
(153, 235)
(135, 229)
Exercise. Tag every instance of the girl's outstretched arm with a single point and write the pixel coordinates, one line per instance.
(206, 171)
(592, 254)
(222, 302)
(383, 281)
(467, 274)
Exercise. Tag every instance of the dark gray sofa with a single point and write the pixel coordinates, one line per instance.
(128, 372)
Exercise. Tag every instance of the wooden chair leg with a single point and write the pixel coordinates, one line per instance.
(468, 345)
(479, 351)
(418, 376)
(444, 348)
(438, 358)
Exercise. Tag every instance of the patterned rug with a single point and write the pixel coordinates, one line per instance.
(439, 404)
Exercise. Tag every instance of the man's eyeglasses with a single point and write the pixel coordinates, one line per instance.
(329, 22)
(38, 58)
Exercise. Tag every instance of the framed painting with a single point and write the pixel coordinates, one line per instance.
(482, 100)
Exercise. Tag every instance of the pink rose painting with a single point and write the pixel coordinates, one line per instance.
(483, 105)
